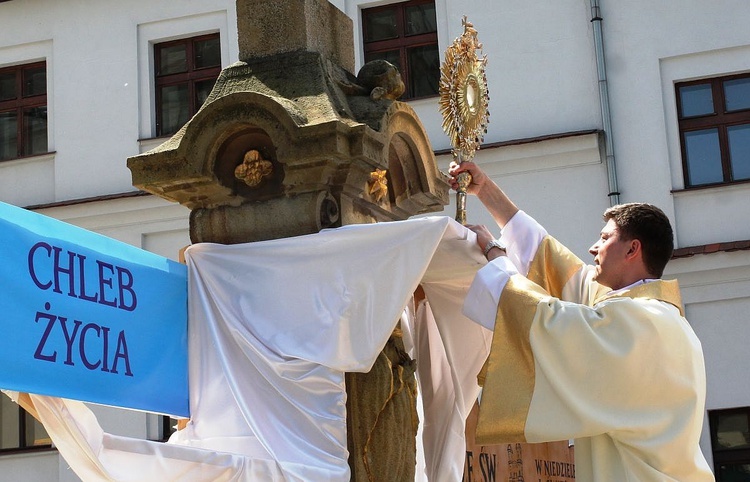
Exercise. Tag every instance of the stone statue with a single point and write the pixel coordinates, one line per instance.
(381, 79)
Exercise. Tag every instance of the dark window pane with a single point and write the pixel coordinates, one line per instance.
(380, 25)
(421, 19)
(734, 472)
(175, 107)
(179, 96)
(703, 157)
(404, 34)
(208, 53)
(8, 135)
(9, 423)
(35, 130)
(36, 434)
(35, 81)
(424, 66)
(696, 100)
(172, 60)
(202, 89)
(168, 427)
(732, 431)
(739, 151)
(391, 56)
(8, 86)
(737, 94)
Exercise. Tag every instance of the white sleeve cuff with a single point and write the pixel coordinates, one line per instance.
(484, 293)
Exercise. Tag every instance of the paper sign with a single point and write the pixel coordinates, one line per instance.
(89, 318)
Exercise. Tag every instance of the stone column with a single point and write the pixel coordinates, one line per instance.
(290, 142)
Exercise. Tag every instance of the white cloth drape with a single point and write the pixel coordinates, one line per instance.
(273, 326)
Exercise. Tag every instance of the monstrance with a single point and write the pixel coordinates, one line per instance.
(464, 101)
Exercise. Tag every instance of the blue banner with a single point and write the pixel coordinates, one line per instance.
(89, 318)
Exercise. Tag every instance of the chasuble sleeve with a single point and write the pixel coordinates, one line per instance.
(559, 370)
(547, 262)
(563, 275)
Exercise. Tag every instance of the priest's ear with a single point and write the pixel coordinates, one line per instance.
(635, 249)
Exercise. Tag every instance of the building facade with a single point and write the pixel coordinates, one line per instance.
(655, 109)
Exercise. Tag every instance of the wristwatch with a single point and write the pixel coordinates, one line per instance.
(493, 244)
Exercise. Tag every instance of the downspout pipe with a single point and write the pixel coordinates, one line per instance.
(596, 21)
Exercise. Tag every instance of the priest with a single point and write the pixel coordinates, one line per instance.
(600, 354)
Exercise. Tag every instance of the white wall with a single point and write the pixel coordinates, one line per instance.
(539, 65)
(649, 47)
(716, 293)
(35, 467)
(98, 94)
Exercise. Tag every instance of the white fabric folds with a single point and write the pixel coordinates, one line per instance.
(273, 326)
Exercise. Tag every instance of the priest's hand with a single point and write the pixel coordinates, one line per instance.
(494, 199)
(478, 177)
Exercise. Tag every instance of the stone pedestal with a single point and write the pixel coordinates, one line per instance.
(290, 142)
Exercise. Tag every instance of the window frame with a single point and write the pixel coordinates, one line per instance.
(192, 76)
(726, 455)
(720, 119)
(21, 103)
(402, 42)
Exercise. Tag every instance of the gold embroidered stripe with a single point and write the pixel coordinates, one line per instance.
(663, 290)
(509, 382)
(552, 266)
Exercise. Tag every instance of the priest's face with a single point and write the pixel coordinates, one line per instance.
(609, 253)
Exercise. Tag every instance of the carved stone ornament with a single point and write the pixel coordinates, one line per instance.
(253, 169)
(381, 80)
(377, 186)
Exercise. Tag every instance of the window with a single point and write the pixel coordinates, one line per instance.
(714, 119)
(18, 429)
(23, 110)
(730, 439)
(186, 71)
(405, 34)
